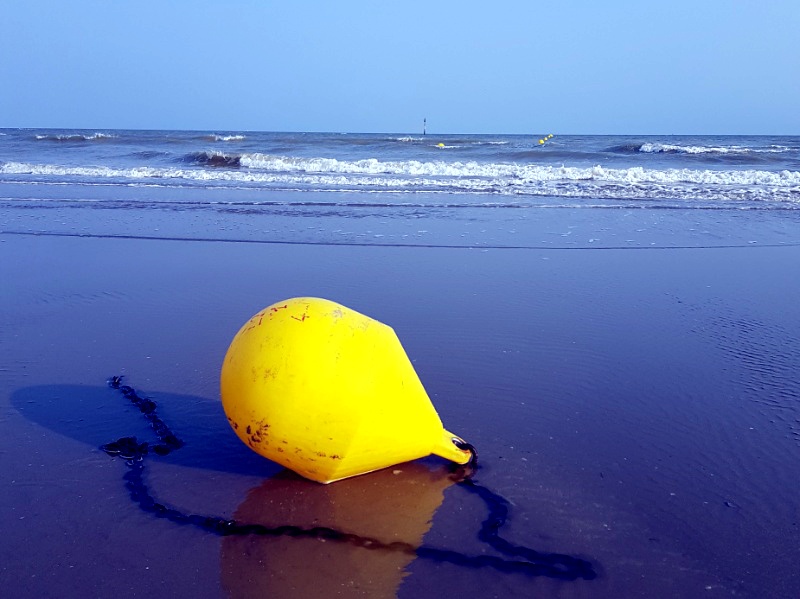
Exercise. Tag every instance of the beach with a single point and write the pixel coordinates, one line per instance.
(627, 370)
(630, 405)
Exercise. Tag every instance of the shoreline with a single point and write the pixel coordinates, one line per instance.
(751, 244)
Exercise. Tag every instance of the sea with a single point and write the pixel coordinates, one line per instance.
(403, 189)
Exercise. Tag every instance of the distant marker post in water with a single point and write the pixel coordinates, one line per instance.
(424, 125)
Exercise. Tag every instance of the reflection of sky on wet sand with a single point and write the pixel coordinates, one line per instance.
(633, 407)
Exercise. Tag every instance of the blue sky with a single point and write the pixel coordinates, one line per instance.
(670, 67)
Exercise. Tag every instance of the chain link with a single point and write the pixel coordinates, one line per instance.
(531, 562)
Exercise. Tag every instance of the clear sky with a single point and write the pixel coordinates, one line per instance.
(527, 66)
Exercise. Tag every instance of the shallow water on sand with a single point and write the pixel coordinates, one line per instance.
(638, 409)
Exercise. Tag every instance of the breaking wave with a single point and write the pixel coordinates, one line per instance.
(658, 148)
(216, 137)
(214, 159)
(518, 172)
(664, 148)
(375, 176)
(74, 137)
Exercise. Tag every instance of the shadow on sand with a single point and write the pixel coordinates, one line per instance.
(367, 529)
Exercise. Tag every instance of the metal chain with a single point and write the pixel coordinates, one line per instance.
(531, 562)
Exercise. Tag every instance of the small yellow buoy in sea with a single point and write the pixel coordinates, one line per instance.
(550, 136)
(440, 145)
(329, 393)
(541, 141)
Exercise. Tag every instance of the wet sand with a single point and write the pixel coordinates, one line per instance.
(637, 408)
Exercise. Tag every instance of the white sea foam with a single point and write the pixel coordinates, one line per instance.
(656, 148)
(216, 137)
(76, 136)
(435, 169)
(528, 172)
(469, 177)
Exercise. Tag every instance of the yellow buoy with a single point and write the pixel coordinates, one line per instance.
(440, 145)
(541, 141)
(329, 393)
